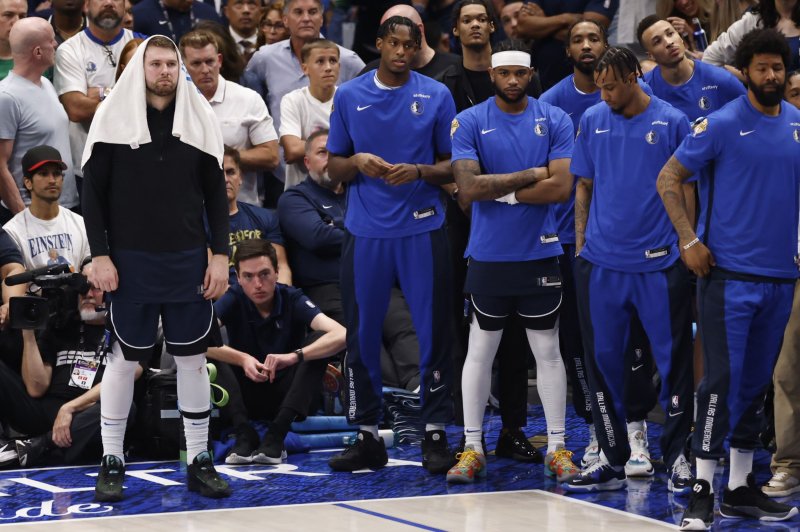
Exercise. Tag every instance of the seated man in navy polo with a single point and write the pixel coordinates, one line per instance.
(248, 221)
(278, 369)
(312, 218)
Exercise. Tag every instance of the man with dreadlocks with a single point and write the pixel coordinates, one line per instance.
(628, 259)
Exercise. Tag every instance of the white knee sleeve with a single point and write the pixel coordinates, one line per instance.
(194, 393)
(116, 396)
(551, 381)
(476, 379)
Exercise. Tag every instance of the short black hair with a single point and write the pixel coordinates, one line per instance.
(253, 248)
(621, 60)
(762, 41)
(645, 23)
(391, 24)
(463, 3)
(603, 31)
(511, 45)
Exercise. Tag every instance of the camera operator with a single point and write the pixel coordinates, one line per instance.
(55, 401)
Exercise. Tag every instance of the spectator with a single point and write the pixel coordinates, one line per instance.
(10, 12)
(56, 400)
(67, 19)
(44, 231)
(312, 218)
(126, 54)
(265, 318)
(243, 16)
(725, 13)
(308, 109)
(86, 66)
(127, 18)
(243, 116)
(792, 94)
(271, 28)
(232, 61)
(680, 14)
(171, 18)
(547, 22)
(30, 115)
(509, 18)
(248, 221)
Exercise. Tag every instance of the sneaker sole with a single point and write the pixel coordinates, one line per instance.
(685, 491)
(639, 471)
(347, 468)
(753, 512)
(611, 485)
(100, 496)
(781, 493)
(694, 524)
(261, 458)
(205, 491)
(235, 459)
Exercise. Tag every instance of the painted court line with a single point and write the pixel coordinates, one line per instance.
(608, 509)
(388, 517)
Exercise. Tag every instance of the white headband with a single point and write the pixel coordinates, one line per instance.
(511, 58)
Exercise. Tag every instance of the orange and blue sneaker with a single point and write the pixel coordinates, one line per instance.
(471, 465)
(559, 464)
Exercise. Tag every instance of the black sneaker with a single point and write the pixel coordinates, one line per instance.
(437, 457)
(109, 481)
(366, 452)
(271, 451)
(599, 476)
(749, 501)
(30, 451)
(513, 444)
(203, 478)
(246, 444)
(699, 514)
(8, 454)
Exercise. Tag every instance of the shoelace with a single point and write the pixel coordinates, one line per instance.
(778, 478)
(596, 466)
(469, 457)
(681, 468)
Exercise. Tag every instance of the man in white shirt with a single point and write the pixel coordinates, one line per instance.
(30, 114)
(308, 109)
(44, 232)
(86, 66)
(246, 124)
(243, 17)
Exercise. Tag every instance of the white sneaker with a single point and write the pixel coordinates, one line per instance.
(592, 452)
(781, 484)
(639, 464)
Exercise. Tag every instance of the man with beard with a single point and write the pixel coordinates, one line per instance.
(628, 264)
(694, 87)
(149, 180)
(389, 139)
(86, 67)
(511, 158)
(586, 41)
(747, 261)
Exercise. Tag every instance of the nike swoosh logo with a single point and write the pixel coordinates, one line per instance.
(745, 133)
(162, 22)
(598, 131)
(485, 131)
(359, 108)
(327, 206)
(673, 415)
(434, 390)
(634, 368)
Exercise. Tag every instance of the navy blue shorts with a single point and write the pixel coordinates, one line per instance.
(187, 327)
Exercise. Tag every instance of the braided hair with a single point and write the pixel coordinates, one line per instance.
(621, 60)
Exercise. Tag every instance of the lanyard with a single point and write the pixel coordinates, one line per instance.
(169, 22)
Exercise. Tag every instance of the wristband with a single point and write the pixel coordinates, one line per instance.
(510, 198)
(300, 356)
(690, 244)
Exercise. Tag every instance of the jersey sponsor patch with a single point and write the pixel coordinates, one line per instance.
(453, 127)
(700, 125)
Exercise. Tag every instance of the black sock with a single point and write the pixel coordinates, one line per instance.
(283, 422)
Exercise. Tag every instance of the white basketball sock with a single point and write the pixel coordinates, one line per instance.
(741, 466)
(476, 379)
(551, 381)
(705, 470)
(194, 398)
(116, 396)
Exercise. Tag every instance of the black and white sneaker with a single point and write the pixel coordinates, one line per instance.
(271, 451)
(749, 501)
(31, 450)
(680, 477)
(246, 444)
(8, 454)
(699, 515)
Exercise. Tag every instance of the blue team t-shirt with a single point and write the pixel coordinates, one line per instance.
(708, 90)
(628, 228)
(407, 124)
(754, 161)
(504, 143)
(566, 96)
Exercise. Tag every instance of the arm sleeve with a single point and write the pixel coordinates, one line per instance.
(302, 223)
(444, 118)
(9, 117)
(216, 201)
(291, 122)
(582, 164)
(464, 140)
(562, 139)
(69, 74)
(701, 146)
(339, 140)
(96, 178)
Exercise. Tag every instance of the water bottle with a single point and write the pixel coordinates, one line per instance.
(700, 41)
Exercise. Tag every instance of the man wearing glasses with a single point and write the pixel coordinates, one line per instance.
(86, 65)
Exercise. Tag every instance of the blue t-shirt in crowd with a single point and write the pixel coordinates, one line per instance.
(282, 331)
(407, 124)
(628, 228)
(566, 96)
(754, 161)
(504, 143)
(708, 90)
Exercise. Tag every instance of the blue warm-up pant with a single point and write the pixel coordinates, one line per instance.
(420, 264)
(741, 320)
(606, 301)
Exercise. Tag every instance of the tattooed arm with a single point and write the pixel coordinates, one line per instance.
(670, 181)
(554, 189)
(583, 199)
(474, 186)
